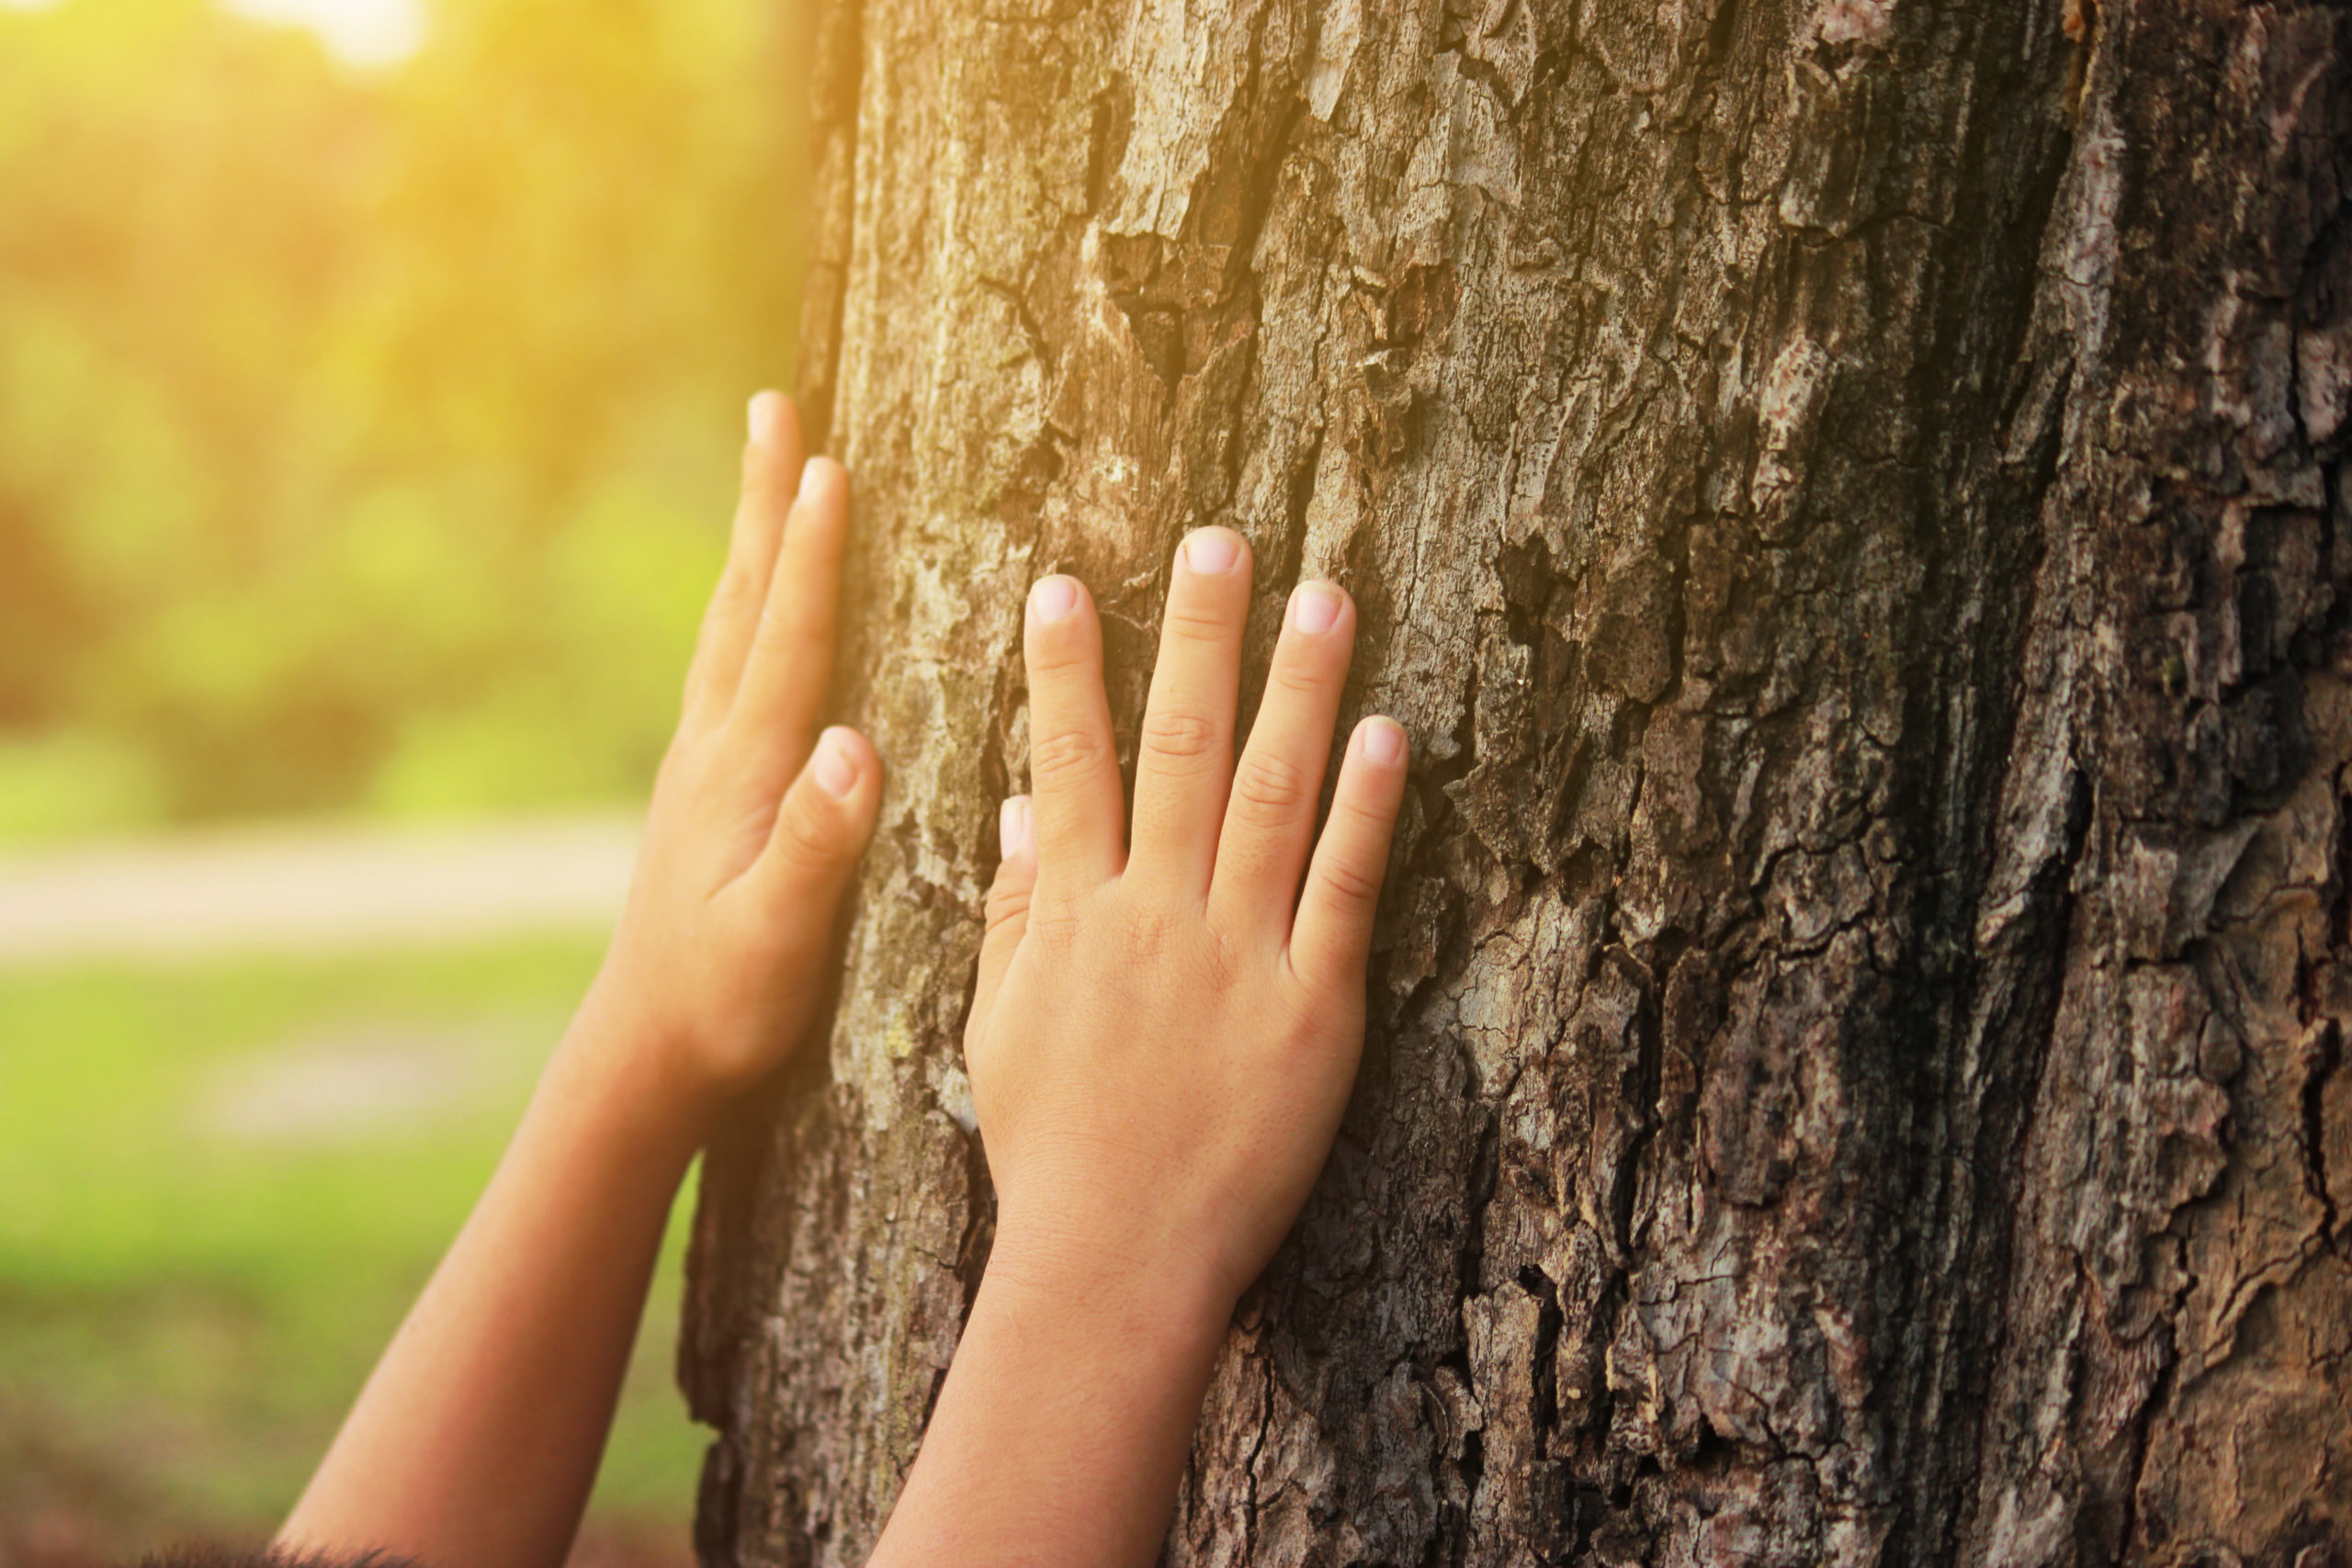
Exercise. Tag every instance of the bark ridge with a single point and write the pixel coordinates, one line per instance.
(1845, 495)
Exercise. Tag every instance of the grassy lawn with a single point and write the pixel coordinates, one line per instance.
(220, 1187)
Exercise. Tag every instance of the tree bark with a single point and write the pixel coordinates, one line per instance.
(1845, 495)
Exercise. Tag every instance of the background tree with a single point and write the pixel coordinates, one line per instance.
(367, 438)
(1846, 498)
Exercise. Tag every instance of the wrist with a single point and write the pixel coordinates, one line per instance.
(1061, 1431)
(1128, 1341)
(615, 1063)
(1157, 1279)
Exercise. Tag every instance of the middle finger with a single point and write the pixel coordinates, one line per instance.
(1186, 763)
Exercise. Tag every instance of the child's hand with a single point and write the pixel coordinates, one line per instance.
(1163, 1039)
(1162, 1043)
(477, 1440)
(757, 820)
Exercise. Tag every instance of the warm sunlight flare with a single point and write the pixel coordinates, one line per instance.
(366, 32)
(363, 32)
(311, 378)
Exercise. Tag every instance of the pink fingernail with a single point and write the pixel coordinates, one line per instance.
(1053, 598)
(1015, 828)
(767, 409)
(1212, 550)
(834, 768)
(1314, 607)
(1384, 742)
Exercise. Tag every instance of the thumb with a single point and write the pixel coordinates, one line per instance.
(1008, 910)
(826, 819)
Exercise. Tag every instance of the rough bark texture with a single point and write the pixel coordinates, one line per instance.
(1845, 495)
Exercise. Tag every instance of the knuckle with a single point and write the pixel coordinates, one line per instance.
(778, 643)
(1190, 621)
(1297, 1013)
(764, 486)
(1293, 678)
(1052, 924)
(1270, 785)
(1149, 932)
(797, 646)
(1068, 755)
(1181, 735)
(737, 589)
(1007, 905)
(1056, 649)
(1350, 882)
(805, 839)
(1228, 960)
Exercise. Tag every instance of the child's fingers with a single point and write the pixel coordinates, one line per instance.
(1185, 761)
(1073, 764)
(791, 656)
(1270, 820)
(771, 479)
(1008, 913)
(824, 822)
(1332, 941)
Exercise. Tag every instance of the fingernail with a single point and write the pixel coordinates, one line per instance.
(1212, 550)
(1053, 598)
(1314, 607)
(814, 475)
(767, 408)
(1015, 829)
(1384, 742)
(834, 768)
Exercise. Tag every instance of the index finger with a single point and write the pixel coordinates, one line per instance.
(1073, 761)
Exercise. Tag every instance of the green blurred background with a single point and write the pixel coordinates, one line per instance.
(368, 434)
(366, 440)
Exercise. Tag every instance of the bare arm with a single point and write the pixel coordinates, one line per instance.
(1160, 1047)
(1163, 1037)
(476, 1441)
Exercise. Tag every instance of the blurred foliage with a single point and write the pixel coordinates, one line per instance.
(367, 439)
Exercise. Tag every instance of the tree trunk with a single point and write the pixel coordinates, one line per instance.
(1845, 496)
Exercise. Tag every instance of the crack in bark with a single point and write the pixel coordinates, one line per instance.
(1834, 500)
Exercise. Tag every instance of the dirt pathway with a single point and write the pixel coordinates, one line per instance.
(312, 890)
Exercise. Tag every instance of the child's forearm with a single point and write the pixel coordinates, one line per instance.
(477, 1437)
(1159, 1063)
(1164, 1028)
(1063, 1425)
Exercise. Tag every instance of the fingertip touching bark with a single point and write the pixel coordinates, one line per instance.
(1845, 496)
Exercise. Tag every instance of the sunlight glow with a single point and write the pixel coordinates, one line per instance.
(361, 32)
(365, 32)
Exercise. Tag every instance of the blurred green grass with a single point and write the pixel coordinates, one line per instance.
(220, 1187)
